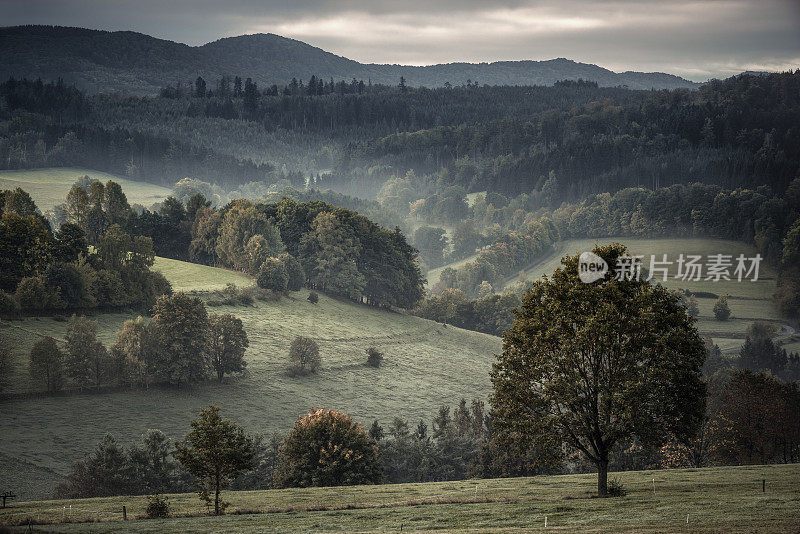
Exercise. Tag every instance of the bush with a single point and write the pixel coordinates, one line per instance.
(616, 489)
(297, 276)
(374, 357)
(157, 506)
(304, 355)
(273, 275)
(313, 297)
(721, 309)
(9, 307)
(233, 296)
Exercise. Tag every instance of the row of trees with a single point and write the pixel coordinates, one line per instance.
(769, 221)
(182, 344)
(752, 418)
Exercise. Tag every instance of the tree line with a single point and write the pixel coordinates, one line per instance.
(182, 344)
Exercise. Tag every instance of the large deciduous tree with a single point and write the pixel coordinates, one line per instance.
(331, 249)
(591, 365)
(181, 329)
(87, 361)
(46, 363)
(227, 345)
(241, 223)
(215, 451)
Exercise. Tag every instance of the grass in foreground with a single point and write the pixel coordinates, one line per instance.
(726, 499)
(49, 186)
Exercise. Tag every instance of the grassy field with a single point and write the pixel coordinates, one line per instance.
(193, 277)
(50, 186)
(432, 276)
(426, 365)
(748, 301)
(728, 499)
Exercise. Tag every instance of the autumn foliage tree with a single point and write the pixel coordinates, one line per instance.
(591, 365)
(327, 448)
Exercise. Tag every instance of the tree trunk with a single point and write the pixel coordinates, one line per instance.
(216, 494)
(602, 477)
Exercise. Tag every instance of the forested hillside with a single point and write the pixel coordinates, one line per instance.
(558, 143)
(100, 61)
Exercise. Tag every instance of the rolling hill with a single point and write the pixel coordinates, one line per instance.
(101, 61)
(749, 301)
(426, 365)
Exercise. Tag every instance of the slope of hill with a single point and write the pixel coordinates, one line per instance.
(722, 499)
(101, 61)
(749, 301)
(426, 365)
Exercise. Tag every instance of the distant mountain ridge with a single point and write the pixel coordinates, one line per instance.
(103, 61)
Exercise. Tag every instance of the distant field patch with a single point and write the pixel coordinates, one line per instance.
(186, 276)
(50, 186)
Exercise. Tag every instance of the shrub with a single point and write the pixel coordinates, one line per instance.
(313, 297)
(273, 275)
(295, 272)
(374, 357)
(233, 296)
(9, 306)
(157, 506)
(304, 355)
(721, 309)
(616, 489)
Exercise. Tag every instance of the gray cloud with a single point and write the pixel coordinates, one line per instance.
(697, 39)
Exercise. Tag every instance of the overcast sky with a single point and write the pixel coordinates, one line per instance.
(697, 39)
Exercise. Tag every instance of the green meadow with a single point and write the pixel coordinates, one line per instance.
(723, 499)
(50, 186)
